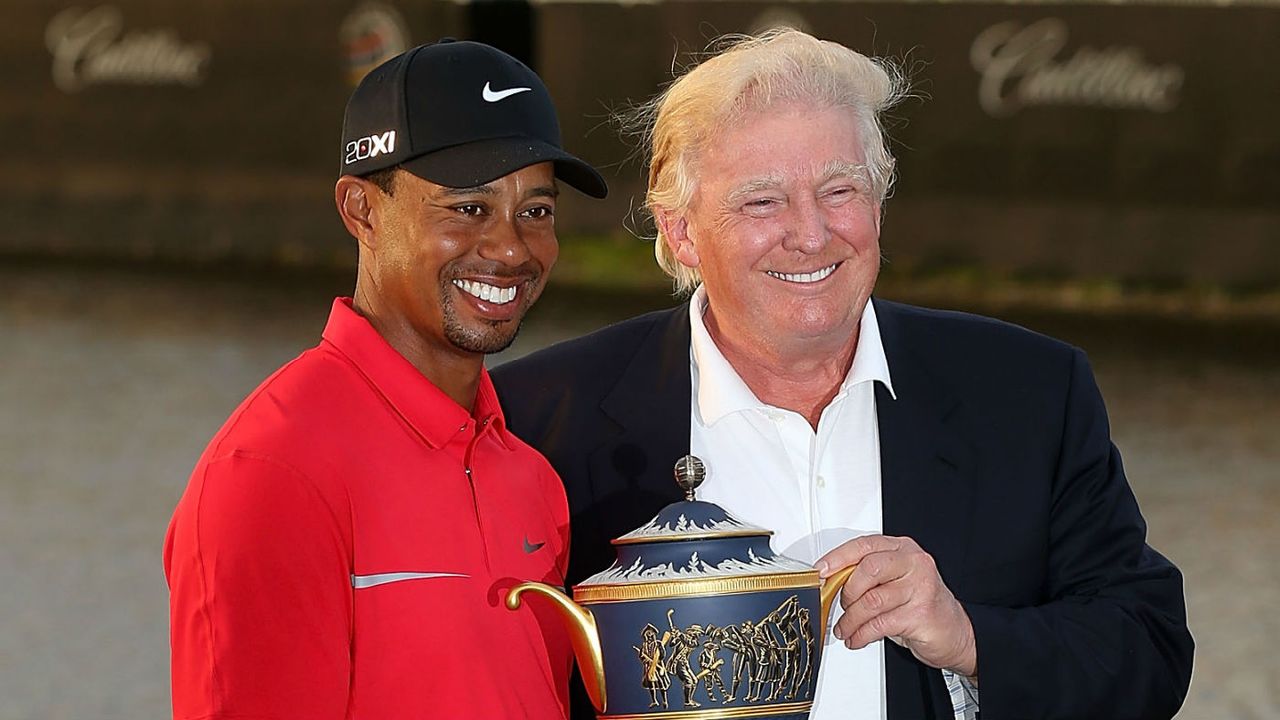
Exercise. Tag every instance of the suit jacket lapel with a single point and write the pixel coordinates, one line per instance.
(649, 406)
(927, 494)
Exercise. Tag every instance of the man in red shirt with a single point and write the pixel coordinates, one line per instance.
(345, 542)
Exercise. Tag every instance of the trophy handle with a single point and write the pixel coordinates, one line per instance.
(583, 635)
(830, 589)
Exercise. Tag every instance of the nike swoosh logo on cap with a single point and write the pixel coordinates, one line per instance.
(492, 96)
(368, 581)
(532, 547)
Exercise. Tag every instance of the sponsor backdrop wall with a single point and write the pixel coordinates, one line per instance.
(1132, 141)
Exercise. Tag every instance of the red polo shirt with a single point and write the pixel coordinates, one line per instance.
(344, 546)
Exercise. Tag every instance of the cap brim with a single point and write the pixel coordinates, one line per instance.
(484, 161)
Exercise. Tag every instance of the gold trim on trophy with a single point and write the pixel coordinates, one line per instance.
(702, 587)
(719, 713)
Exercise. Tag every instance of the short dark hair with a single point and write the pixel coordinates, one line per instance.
(384, 178)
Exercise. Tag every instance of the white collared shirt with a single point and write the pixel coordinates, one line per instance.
(767, 466)
(815, 490)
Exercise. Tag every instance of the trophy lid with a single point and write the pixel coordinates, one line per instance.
(692, 539)
(691, 519)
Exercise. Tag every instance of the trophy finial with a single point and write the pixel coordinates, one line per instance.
(690, 472)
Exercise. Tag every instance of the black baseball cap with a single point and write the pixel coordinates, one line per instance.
(459, 114)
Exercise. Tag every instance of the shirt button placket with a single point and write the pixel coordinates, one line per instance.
(475, 491)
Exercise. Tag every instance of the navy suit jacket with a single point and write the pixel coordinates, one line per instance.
(996, 458)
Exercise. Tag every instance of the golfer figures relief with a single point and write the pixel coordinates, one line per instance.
(770, 658)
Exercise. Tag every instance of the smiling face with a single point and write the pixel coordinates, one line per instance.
(454, 270)
(783, 227)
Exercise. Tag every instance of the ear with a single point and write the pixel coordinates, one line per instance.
(357, 201)
(675, 233)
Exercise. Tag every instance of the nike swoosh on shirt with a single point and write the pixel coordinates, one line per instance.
(497, 95)
(368, 581)
(532, 547)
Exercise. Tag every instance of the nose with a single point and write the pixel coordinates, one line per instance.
(808, 231)
(503, 243)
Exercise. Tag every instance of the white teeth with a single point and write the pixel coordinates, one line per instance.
(485, 291)
(805, 277)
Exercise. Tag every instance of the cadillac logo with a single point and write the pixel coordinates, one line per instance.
(1021, 67)
(92, 47)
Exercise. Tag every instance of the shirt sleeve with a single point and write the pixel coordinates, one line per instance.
(258, 565)
(964, 696)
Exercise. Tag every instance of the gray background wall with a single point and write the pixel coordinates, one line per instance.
(1144, 146)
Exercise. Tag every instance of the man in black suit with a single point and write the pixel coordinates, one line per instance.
(964, 464)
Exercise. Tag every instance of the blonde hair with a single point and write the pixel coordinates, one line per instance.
(752, 73)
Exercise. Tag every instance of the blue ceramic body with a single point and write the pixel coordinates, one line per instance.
(757, 671)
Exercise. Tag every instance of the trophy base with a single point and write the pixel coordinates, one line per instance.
(780, 711)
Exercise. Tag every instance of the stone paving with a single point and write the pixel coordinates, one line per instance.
(111, 383)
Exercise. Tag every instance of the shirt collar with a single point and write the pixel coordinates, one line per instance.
(721, 391)
(426, 408)
(870, 364)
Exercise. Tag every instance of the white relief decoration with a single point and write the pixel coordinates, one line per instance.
(696, 568)
(685, 526)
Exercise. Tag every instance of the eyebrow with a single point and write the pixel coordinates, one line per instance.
(844, 169)
(550, 191)
(473, 190)
(833, 169)
(547, 191)
(769, 182)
